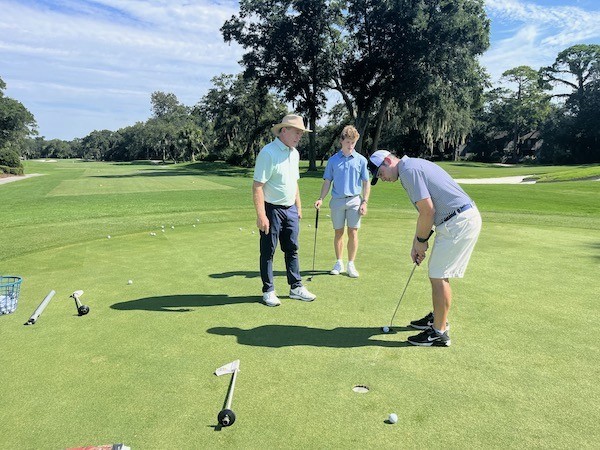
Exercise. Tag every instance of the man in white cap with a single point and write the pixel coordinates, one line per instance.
(442, 204)
(278, 208)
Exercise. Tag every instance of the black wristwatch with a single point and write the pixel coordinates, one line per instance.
(422, 241)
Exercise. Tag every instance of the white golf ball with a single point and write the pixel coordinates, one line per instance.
(194, 226)
(172, 227)
(130, 282)
(162, 231)
(386, 329)
(393, 418)
(162, 226)
(108, 237)
(240, 229)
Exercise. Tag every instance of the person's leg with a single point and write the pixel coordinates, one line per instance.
(338, 243)
(352, 243)
(289, 244)
(441, 294)
(268, 244)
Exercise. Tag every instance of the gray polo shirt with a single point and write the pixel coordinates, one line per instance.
(422, 179)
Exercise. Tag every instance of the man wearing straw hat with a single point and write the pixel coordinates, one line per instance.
(278, 208)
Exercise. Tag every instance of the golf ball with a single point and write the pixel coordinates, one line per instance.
(108, 237)
(386, 329)
(130, 282)
(393, 418)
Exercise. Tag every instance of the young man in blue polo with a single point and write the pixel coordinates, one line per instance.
(442, 204)
(347, 171)
(278, 208)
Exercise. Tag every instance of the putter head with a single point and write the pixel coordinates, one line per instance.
(76, 294)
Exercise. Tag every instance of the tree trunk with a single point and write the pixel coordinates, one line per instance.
(380, 117)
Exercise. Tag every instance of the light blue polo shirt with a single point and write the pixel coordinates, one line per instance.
(422, 179)
(277, 166)
(347, 174)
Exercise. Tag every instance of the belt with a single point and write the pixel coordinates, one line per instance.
(463, 208)
(274, 206)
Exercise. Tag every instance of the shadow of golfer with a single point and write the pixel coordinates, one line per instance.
(244, 273)
(292, 335)
(182, 303)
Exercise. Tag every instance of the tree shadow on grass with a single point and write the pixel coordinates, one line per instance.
(182, 303)
(596, 247)
(292, 335)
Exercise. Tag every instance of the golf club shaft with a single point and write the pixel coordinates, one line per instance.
(402, 296)
(315, 244)
(40, 309)
(231, 388)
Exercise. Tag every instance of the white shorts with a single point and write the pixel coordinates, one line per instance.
(454, 242)
(345, 210)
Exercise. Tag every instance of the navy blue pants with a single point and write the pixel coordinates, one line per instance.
(283, 227)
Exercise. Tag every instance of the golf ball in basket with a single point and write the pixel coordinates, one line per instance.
(386, 329)
(393, 418)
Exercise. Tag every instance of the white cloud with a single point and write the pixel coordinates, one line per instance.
(107, 54)
(535, 34)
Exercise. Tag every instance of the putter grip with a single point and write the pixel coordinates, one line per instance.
(317, 220)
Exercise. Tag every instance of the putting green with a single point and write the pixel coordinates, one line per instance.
(139, 367)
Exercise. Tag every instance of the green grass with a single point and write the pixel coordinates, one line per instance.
(139, 368)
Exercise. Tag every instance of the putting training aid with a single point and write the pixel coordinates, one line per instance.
(40, 309)
(226, 416)
(82, 310)
(314, 247)
(402, 296)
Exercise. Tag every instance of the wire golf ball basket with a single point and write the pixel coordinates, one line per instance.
(9, 293)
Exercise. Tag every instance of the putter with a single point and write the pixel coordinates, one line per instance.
(399, 301)
(82, 310)
(40, 309)
(226, 416)
(315, 246)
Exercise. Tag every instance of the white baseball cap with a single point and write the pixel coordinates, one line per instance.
(375, 161)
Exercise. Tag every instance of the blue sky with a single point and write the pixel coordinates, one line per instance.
(81, 65)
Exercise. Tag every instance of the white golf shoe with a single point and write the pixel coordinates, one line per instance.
(301, 293)
(270, 299)
(337, 268)
(352, 272)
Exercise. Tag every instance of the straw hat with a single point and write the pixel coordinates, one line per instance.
(291, 120)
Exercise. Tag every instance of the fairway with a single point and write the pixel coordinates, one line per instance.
(522, 370)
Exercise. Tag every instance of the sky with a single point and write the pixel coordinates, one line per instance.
(80, 65)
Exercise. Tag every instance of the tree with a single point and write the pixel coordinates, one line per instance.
(241, 112)
(166, 105)
(421, 56)
(573, 68)
(16, 122)
(522, 107)
(288, 48)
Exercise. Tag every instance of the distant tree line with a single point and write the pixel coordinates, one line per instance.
(407, 74)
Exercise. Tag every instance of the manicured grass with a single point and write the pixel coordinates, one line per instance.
(139, 368)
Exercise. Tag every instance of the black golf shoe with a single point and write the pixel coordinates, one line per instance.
(424, 323)
(429, 338)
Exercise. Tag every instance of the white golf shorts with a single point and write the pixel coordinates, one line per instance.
(345, 211)
(454, 242)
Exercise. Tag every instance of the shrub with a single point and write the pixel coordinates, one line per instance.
(9, 158)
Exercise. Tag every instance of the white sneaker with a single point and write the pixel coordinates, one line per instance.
(301, 293)
(337, 268)
(270, 298)
(352, 272)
